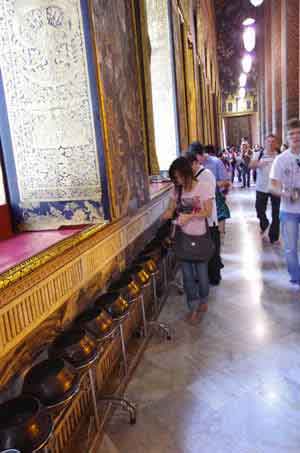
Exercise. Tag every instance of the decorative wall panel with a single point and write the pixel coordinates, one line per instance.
(50, 115)
(119, 80)
(180, 78)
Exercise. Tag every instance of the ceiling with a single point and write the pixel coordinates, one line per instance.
(229, 16)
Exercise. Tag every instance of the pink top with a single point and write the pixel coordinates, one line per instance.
(202, 191)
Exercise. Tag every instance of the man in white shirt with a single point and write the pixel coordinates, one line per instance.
(208, 181)
(285, 182)
(262, 162)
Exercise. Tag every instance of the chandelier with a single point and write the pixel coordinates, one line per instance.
(256, 2)
(247, 63)
(249, 38)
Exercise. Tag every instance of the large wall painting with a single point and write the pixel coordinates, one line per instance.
(179, 62)
(53, 161)
(115, 42)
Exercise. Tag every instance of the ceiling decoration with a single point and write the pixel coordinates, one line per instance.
(230, 16)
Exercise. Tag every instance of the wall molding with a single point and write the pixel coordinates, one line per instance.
(35, 304)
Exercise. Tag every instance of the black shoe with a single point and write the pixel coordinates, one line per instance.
(214, 282)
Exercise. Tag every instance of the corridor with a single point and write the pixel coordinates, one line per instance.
(231, 384)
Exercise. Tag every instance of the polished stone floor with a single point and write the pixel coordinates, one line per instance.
(231, 384)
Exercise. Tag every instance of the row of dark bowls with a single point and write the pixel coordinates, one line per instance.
(25, 422)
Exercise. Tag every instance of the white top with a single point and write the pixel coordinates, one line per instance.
(263, 173)
(194, 200)
(286, 170)
(208, 183)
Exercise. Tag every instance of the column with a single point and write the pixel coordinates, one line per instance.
(267, 68)
(276, 68)
(290, 60)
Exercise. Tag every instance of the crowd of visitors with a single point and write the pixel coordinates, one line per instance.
(197, 210)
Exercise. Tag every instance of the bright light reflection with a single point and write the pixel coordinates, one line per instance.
(247, 63)
(249, 38)
(260, 331)
(251, 271)
(243, 80)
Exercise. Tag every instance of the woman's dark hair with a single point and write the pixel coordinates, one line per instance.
(191, 157)
(183, 167)
(196, 148)
(210, 149)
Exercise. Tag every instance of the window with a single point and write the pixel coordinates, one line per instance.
(230, 107)
(249, 105)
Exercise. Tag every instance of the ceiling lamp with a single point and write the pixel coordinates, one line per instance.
(242, 93)
(249, 38)
(247, 63)
(243, 80)
(249, 21)
(256, 2)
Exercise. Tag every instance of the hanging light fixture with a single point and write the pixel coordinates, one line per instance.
(249, 21)
(256, 2)
(242, 92)
(247, 63)
(243, 80)
(249, 38)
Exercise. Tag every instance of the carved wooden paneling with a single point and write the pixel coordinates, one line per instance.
(37, 303)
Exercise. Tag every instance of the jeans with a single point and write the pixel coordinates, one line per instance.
(195, 282)
(290, 232)
(261, 208)
(233, 167)
(246, 176)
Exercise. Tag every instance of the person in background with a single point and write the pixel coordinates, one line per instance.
(285, 183)
(246, 154)
(262, 162)
(189, 193)
(233, 162)
(206, 157)
(283, 148)
(204, 175)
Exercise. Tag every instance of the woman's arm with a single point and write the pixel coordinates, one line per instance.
(204, 212)
(170, 211)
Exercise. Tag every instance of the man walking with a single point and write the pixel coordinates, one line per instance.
(285, 182)
(262, 163)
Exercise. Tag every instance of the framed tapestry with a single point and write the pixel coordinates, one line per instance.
(50, 123)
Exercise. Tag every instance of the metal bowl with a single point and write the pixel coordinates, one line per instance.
(52, 381)
(140, 274)
(126, 286)
(148, 264)
(75, 346)
(114, 303)
(24, 425)
(96, 321)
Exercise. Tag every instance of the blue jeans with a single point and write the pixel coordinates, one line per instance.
(195, 282)
(290, 233)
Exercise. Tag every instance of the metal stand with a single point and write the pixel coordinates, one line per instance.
(160, 326)
(145, 323)
(94, 398)
(125, 404)
(124, 352)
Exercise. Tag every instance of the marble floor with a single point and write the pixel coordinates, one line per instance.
(231, 384)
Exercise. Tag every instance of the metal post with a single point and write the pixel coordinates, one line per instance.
(94, 399)
(165, 275)
(144, 315)
(124, 353)
(154, 286)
